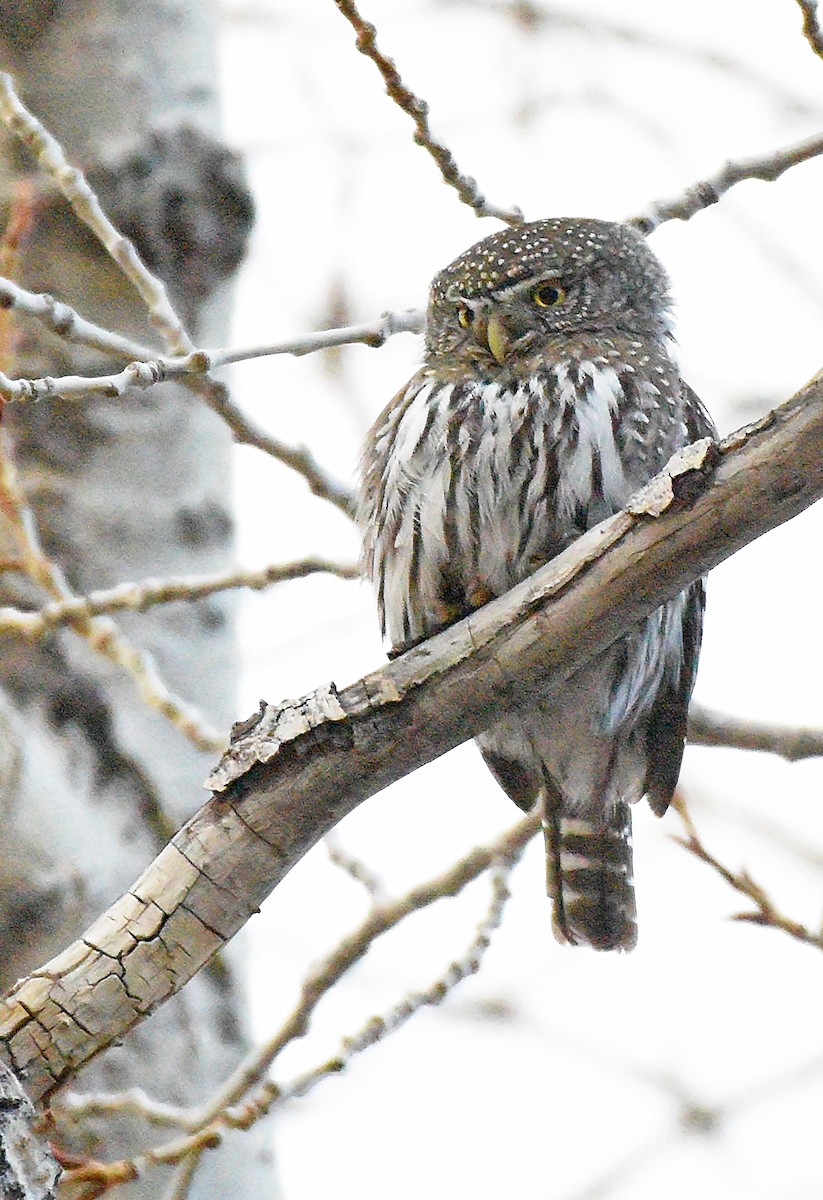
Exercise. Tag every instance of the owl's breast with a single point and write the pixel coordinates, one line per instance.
(481, 482)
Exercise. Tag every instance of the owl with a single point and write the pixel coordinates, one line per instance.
(548, 395)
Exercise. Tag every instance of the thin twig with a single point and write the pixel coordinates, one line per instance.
(765, 912)
(66, 323)
(380, 1027)
(192, 370)
(298, 458)
(349, 951)
(100, 632)
(710, 728)
(139, 596)
(159, 369)
(811, 25)
(73, 1107)
(74, 187)
(702, 195)
(418, 110)
(374, 334)
(355, 868)
(227, 1108)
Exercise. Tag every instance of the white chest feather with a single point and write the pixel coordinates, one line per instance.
(481, 482)
(589, 396)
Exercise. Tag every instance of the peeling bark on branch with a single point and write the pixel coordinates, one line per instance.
(295, 770)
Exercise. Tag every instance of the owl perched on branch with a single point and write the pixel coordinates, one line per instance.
(548, 395)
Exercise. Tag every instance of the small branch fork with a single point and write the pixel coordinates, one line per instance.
(765, 911)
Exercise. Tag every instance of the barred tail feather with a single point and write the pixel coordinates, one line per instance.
(590, 880)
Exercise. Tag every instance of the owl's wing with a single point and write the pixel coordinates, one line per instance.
(698, 422)
(668, 716)
(653, 681)
(666, 728)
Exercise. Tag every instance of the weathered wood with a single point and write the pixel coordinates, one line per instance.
(296, 769)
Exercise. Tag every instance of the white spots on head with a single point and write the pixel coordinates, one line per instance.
(555, 244)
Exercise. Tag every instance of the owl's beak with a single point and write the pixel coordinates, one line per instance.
(498, 339)
(494, 334)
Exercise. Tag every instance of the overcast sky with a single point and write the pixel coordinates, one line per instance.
(553, 1069)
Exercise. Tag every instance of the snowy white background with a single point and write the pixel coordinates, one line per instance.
(554, 1074)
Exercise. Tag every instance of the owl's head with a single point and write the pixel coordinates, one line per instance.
(508, 294)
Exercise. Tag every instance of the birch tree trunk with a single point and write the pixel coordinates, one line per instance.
(92, 781)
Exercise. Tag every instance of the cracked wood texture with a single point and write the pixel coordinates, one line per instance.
(295, 770)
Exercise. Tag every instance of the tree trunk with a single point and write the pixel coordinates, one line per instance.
(92, 780)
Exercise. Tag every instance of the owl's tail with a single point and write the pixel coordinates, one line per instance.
(589, 878)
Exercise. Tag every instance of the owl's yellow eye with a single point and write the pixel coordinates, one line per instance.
(465, 316)
(549, 295)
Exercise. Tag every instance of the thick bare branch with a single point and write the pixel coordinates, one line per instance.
(418, 110)
(295, 770)
(710, 728)
(698, 196)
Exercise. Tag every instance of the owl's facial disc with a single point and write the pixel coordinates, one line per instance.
(498, 325)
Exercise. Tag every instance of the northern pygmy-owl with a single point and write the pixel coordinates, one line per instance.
(547, 396)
